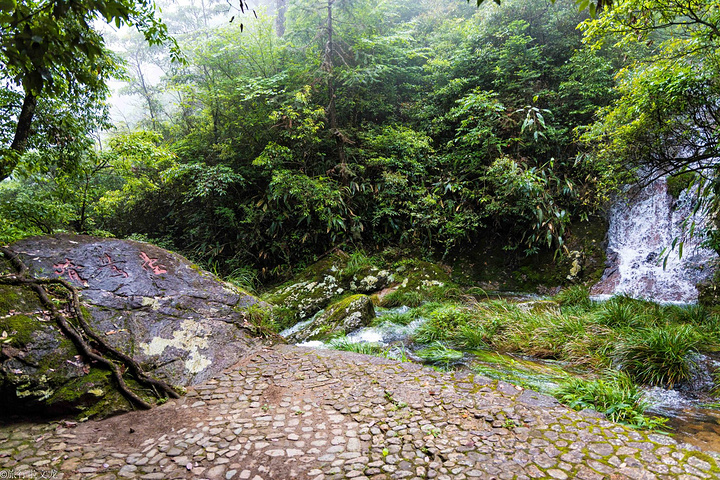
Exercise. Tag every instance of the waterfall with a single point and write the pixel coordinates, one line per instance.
(640, 228)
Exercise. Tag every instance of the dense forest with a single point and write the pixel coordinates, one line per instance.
(277, 133)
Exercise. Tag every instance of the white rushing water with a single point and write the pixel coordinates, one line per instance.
(640, 228)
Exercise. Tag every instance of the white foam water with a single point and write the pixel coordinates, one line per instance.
(641, 228)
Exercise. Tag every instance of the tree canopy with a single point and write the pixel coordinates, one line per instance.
(53, 56)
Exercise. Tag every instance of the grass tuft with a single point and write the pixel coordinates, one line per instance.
(402, 298)
(576, 295)
(614, 395)
(659, 355)
(346, 345)
(439, 353)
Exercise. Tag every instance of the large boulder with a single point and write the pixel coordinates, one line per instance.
(339, 318)
(180, 323)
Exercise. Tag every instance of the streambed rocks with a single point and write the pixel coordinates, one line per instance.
(314, 289)
(340, 318)
(178, 322)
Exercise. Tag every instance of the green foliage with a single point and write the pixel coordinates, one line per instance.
(443, 323)
(677, 183)
(440, 354)
(662, 120)
(357, 261)
(52, 52)
(659, 355)
(574, 296)
(245, 278)
(398, 318)
(622, 312)
(365, 348)
(422, 128)
(260, 320)
(403, 298)
(615, 395)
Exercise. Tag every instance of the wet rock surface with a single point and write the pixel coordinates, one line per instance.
(340, 318)
(180, 323)
(290, 412)
(316, 287)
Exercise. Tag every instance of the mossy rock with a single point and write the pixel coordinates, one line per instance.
(40, 369)
(709, 292)
(179, 324)
(340, 318)
(676, 184)
(416, 281)
(319, 284)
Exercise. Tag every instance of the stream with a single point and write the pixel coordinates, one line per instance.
(693, 416)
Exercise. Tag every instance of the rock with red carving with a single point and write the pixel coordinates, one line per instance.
(180, 323)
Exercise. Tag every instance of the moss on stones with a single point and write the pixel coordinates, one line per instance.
(491, 267)
(342, 317)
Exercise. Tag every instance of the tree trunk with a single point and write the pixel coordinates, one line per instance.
(22, 134)
(329, 51)
(280, 9)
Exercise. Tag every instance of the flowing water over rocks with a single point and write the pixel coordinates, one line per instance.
(290, 412)
(640, 229)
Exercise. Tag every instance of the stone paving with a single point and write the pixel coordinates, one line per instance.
(288, 412)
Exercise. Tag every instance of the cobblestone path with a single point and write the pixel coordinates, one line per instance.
(288, 412)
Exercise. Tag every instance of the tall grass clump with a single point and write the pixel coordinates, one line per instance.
(245, 278)
(261, 320)
(472, 337)
(358, 261)
(439, 354)
(574, 296)
(695, 314)
(346, 345)
(400, 298)
(617, 312)
(659, 355)
(396, 318)
(614, 395)
(443, 323)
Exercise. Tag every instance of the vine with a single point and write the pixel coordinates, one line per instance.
(94, 348)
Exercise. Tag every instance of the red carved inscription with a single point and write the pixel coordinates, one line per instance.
(71, 270)
(107, 261)
(151, 264)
